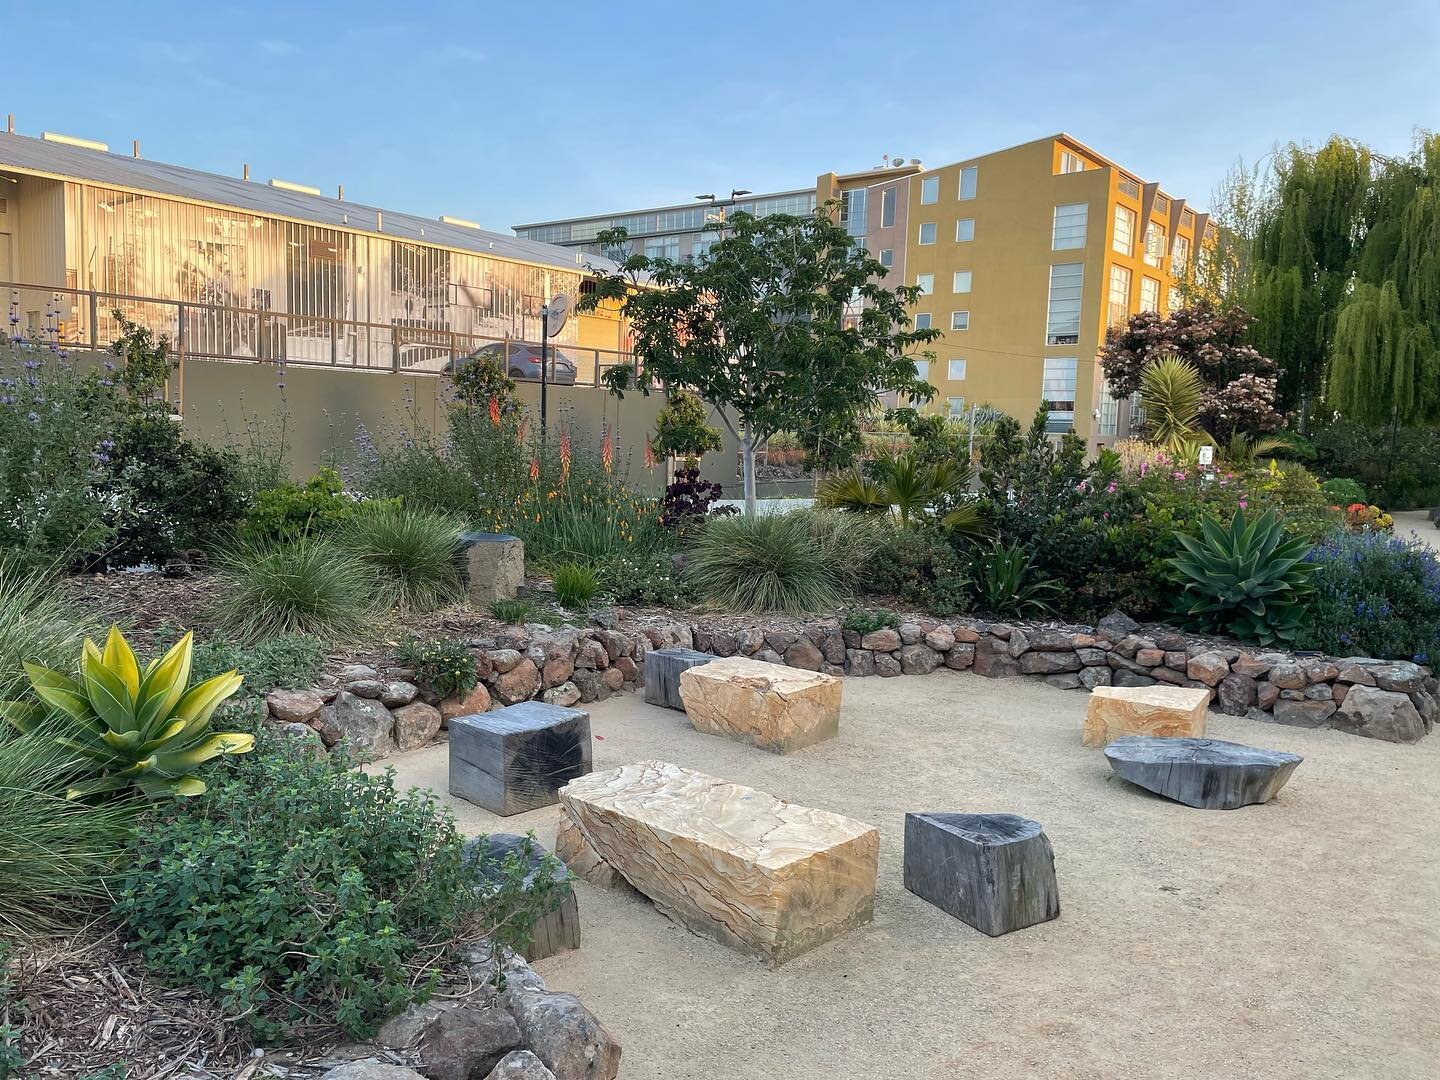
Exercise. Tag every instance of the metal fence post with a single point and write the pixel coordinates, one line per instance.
(94, 320)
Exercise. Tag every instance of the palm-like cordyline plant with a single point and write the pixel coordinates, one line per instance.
(1172, 392)
(904, 486)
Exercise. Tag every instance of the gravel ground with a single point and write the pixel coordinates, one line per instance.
(1297, 939)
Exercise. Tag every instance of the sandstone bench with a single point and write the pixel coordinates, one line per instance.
(756, 873)
(993, 871)
(1206, 773)
(1163, 711)
(663, 668)
(515, 759)
(776, 708)
(494, 565)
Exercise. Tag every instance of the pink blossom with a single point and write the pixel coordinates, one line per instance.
(1244, 503)
(1110, 490)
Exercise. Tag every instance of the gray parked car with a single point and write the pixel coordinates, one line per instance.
(523, 362)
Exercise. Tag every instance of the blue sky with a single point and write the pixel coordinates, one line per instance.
(506, 113)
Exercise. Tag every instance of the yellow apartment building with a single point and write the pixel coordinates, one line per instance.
(1025, 256)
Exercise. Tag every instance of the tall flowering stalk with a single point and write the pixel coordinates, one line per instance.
(607, 449)
(495, 411)
(564, 455)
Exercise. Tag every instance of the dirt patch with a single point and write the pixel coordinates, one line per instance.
(1296, 939)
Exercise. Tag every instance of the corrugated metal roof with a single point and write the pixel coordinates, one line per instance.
(25, 154)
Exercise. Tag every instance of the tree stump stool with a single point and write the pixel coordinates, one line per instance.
(515, 759)
(993, 871)
(662, 674)
(1209, 774)
(558, 930)
(494, 566)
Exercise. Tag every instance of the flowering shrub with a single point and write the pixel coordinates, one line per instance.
(1362, 518)
(445, 665)
(1375, 595)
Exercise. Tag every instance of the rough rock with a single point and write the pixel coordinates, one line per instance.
(582, 860)
(1318, 670)
(1065, 680)
(1167, 711)
(967, 634)
(415, 725)
(1117, 625)
(589, 684)
(804, 655)
(306, 735)
(769, 656)
(776, 708)
(357, 671)
(477, 700)
(766, 876)
(1091, 677)
(1150, 657)
(882, 640)
(397, 693)
(919, 659)
(1288, 675)
(1352, 672)
(365, 688)
(565, 1035)
(1208, 668)
(941, 639)
(504, 660)
(520, 683)
(462, 1043)
(324, 723)
(910, 633)
(1122, 677)
(886, 666)
(566, 694)
(860, 661)
(1051, 640)
(294, 706)
(993, 660)
(405, 1028)
(521, 1065)
(364, 724)
(1303, 713)
(371, 1070)
(961, 656)
(1049, 663)
(613, 678)
(1206, 773)
(993, 871)
(494, 566)
(1019, 641)
(1266, 694)
(1399, 675)
(1236, 694)
(1379, 714)
(556, 671)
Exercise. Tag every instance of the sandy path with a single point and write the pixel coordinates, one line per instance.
(1298, 939)
(1416, 525)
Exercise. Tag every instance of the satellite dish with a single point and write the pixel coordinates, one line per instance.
(556, 313)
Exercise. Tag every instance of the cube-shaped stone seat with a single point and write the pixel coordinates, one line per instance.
(1210, 774)
(1161, 711)
(557, 930)
(494, 565)
(993, 871)
(775, 707)
(515, 759)
(761, 875)
(662, 674)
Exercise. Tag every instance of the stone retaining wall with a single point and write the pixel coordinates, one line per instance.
(383, 710)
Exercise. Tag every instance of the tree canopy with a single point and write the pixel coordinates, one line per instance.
(784, 325)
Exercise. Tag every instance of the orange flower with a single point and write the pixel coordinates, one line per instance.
(607, 449)
(534, 469)
(495, 411)
(564, 454)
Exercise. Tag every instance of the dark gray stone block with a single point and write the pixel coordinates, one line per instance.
(515, 759)
(662, 674)
(558, 930)
(993, 871)
(1206, 773)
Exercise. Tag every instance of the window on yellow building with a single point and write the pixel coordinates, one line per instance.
(927, 233)
(1057, 391)
(1071, 163)
(1180, 256)
(1124, 239)
(922, 320)
(960, 320)
(929, 190)
(922, 370)
(925, 283)
(887, 208)
(887, 256)
(1068, 228)
(956, 406)
(1119, 300)
(961, 284)
(957, 370)
(1149, 294)
(964, 230)
(1154, 243)
(1062, 324)
(968, 178)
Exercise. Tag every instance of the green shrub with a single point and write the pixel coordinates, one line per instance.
(287, 662)
(412, 552)
(682, 428)
(1400, 470)
(1246, 578)
(56, 854)
(1008, 584)
(303, 895)
(309, 587)
(770, 562)
(922, 568)
(645, 579)
(865, 621)
(445, 665)
(1343, 491)
(845, 544)
(418, 469)
(1374, 595)
(575, 585)
(37, 624)
(515, 611)
(317, 507)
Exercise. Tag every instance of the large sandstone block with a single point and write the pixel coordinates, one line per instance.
(494, 565)
(759, 874)
(776, 708)
(1162, 711)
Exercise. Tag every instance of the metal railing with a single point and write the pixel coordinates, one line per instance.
(85, 318)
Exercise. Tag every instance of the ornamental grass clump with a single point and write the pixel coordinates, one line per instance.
(309, 587)
(413, 554)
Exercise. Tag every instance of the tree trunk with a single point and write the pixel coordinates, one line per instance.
(747, 465)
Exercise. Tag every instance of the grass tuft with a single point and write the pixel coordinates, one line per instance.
(412, 552)
(309, 587)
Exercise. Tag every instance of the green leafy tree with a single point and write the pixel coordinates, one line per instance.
(682, 429)
(785, 326)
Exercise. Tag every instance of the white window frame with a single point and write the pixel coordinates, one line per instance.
(1069, 226)
(963, 281)
(1118, 297)
(1127, 245)
(1061, 364)
(955, 406)
(920, 235)
(1071, 162)
(887, 257)
(1149, 294)
(1063, 328)
(951, 369)
(922, 320)
(926, 284)
(887, 207)
(930, 190)
(959, 320)
(969, 181)
(1154, 244)
(964, 234)
(922, 370)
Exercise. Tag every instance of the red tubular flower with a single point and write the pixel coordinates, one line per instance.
(495, 411)
(607, 449)
(564, 454)
(534, 469)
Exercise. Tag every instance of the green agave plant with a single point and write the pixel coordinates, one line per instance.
(133, 727)
(1246, 578)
